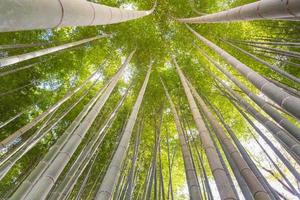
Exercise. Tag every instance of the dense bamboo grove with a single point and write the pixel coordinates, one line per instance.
(143, 100)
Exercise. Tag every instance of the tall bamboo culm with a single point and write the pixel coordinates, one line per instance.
(288, 142)
(43, 115)
(27, 184)
(44, 14)
(13, 156)
(40, 186)
(190, 172)
(225, 190)
(253, 183)
(35, 54)
(270, 143)
(110, 179)
(282, 98)
(286, 124)
(273, 67)
(85, 157)
(260, 10)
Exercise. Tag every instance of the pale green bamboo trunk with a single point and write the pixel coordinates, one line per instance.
(288, 142)
(17, 15)
(78, 167)
(190, 172)
(273, 67)
(254, 185)
(42, 180)
(46, 161)
(260, 10)
(110, 179)
(225, 190)
(27, 56)
(3, 124)
(12, 71)
(286, 124)
(272, 146)
(282, 98)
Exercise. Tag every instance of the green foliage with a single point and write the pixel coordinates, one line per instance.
(157, 38)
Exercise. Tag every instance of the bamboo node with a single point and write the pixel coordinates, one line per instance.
(284, 100)
(62, 14)
(217, 169)
(51, 178)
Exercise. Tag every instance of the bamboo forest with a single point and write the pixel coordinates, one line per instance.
(149, 99)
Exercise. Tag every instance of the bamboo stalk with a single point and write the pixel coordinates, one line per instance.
(35, 54)
(260, 10)
(109, 181)
(283, 137)
(40, 186)
(274, 68)
(43, 14)
(286, 124)
(282, 98)
(253, 183)
(190, 172)
(225, 190)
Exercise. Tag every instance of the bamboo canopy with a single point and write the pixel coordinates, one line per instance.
(215, 118)
(43, 115)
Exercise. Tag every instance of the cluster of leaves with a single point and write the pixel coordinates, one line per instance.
(157, 38)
